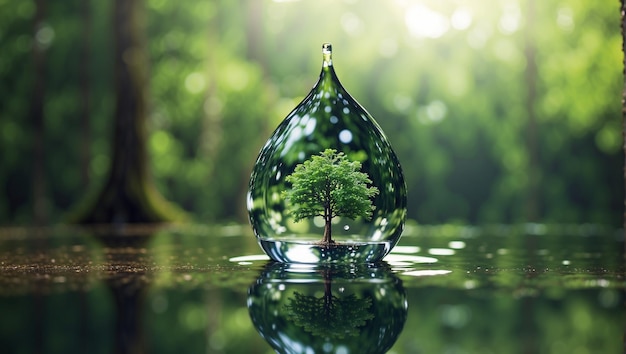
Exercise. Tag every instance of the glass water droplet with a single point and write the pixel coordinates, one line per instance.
(327, 118)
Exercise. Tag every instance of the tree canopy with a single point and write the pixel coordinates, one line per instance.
(329, 185)
(329, 316)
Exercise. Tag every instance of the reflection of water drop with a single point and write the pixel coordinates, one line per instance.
(328, 308)
(327, 118)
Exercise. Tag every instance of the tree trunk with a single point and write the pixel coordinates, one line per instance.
(327, 232)
(623, 30)
(327, 226)
(623, 25)
(532, 140)
(40, 211)
(328, 214)
(85, 92)
(129, 195)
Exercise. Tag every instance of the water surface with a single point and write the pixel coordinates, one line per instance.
(201, 289)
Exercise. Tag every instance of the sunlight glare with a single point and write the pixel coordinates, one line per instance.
(195, 82)
(477, 37)
(441, 251)
(427, 272)
(388, 47)
(421, 21)
(351, 23)
(511, 18)
(461, 19)
(44, 36)
(565, 18)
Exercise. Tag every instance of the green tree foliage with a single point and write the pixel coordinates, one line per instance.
(210, 106)
(329, 316)
(329, 185)
(450, 91)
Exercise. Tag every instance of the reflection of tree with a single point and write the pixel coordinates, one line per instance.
(329, 316)
(128, 285)
(290, 310)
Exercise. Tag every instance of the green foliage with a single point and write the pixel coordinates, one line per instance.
(329, 185)
(329, 316)
(223, 74)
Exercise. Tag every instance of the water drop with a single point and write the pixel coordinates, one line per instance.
(328, 118)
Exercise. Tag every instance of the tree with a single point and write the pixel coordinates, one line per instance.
(329, 185)
(129, 195)
(40, 211)
(624, 103)
(330, 316)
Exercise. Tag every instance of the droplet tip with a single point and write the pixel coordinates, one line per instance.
(327, 48)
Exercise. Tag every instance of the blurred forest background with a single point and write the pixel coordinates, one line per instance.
(499, 111)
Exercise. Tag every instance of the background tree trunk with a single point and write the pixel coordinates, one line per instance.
(85, 92)
(623, 10)
(40, 212)
(532, 140)
(623, 29)
(129, 195)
